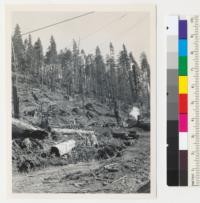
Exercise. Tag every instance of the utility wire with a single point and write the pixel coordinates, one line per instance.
(100, 28)
(133, 26)
(124, 32)
(63, 21)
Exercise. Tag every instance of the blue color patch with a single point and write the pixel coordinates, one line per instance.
(182, 47)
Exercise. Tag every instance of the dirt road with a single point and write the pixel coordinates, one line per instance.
(131, 172)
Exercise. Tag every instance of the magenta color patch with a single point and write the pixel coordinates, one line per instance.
(183, 123)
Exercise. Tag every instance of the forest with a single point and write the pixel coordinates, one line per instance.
(114, 79)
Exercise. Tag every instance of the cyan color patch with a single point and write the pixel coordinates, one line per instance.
(182, 47)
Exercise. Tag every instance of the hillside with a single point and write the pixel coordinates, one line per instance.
(33, 155)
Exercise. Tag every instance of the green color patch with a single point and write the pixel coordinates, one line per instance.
(182, 65)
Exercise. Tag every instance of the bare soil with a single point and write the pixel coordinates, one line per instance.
(125, 174)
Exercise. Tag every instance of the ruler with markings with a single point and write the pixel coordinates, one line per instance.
(194, 100)
(183, 104)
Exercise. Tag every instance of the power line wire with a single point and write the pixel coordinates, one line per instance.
(63, 21)
(100, 28)
(123, 33)
(133, 26)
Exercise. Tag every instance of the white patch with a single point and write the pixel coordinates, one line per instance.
(135, 112)
(183, 140)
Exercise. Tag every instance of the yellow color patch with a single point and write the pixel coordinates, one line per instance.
(183, 84)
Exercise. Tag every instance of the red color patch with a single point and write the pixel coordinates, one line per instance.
(183, 103)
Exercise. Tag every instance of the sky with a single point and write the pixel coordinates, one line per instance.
(98, 28)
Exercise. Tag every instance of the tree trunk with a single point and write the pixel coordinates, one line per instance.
(15, 102)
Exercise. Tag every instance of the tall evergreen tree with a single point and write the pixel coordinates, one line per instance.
(126, 89)
(65, 58)
(18, 65)
(81, 75)
(100, 74)
(90, 71)
(18, 52)
(38, 54)
(51, 55)
(145, 79)
(75, 62)
(145, 67)
(113, 72)
(135, 75)
(29, 56)
(111, 79)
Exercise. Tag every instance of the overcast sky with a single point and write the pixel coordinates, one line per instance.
(99, 28)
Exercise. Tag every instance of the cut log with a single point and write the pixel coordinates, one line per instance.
(21, 129)
(88, 135)
(63, 148)
(71, 131)
(132, 134)
(131, 122)
(145, 125)
(114, 167)
(119, 134)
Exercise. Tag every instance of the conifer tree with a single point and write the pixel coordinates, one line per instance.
(18, 50)
(38, 54)
(51, 55)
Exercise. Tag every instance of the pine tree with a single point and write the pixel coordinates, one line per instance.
(75, 67)
(38, 55)
(81, 75)
(100, 74)
(126, 89)
(29, 56)
(90, 72)
(111, 77)
(65, 59)
(18, 50)
(18, 66)
(145, 80)
(145, 67)
(113, 73)
(51, 59)
(135, 75)
(51, 55)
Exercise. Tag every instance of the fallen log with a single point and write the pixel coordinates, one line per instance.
(71, 131)
(119, 179)
(63, 148)
(119, 134)
(90, 137)
(21, 129)
(112, 167)
(145, 125)
(132, 134)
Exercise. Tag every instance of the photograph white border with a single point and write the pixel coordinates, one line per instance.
(152, 61)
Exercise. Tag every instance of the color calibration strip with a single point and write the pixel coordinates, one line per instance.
(183, 101)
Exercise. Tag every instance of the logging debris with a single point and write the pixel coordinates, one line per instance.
(21, 129)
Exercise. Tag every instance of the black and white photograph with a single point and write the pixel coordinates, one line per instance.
(82, 99)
